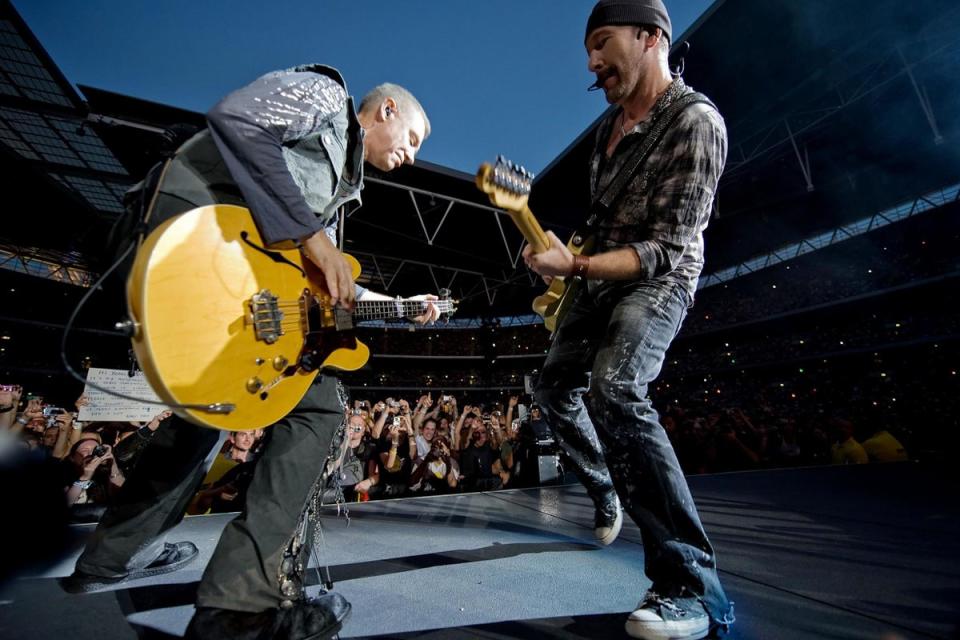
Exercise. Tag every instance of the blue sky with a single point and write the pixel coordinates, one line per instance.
(495, 77)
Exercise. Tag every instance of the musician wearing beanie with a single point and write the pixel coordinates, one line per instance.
(655, 167)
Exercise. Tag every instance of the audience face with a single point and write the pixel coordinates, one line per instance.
(243, 440)
(428, 430)
(50, 437)
(440, 448)
(355, 428)
(83, 452)
(479, 435)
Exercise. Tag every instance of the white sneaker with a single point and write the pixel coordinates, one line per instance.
(605, 531)
(657, 618)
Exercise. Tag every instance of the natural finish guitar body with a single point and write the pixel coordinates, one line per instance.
(204, 337)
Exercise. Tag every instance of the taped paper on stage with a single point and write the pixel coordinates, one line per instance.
(105, 407)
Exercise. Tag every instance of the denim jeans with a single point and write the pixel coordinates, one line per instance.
(612, 345)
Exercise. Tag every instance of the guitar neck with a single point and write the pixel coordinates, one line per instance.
(392, 309)
(531, 229)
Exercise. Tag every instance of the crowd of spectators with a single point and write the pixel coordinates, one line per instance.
(525, 340)
(396, 447)
(782, 415)
(851, 409)
(92, 460)
(900, 254)
(898, 320)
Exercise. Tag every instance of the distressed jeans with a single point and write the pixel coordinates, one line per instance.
(614, 348)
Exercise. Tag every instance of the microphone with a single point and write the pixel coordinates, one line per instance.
(596, 85)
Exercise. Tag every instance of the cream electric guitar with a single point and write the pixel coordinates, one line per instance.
(508, 187)
(234, 329)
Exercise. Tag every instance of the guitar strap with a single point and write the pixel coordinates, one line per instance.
(603, 205)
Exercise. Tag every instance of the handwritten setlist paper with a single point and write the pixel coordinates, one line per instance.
(105, 407)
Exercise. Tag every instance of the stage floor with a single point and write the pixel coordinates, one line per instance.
(835, 552)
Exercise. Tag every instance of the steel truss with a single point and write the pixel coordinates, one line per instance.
(858, 84)
(900, 212)
(47, 264)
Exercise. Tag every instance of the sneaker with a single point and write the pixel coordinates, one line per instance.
(173, 557)
(659, 618)
(314, 619)
(608, 520)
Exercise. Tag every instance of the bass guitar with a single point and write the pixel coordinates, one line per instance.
(508, 187)
(235, 330)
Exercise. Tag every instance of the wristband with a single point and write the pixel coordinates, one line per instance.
(6, 408)
(23, 420)
(580, 265)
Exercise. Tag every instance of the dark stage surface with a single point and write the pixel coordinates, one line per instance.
(836, 552)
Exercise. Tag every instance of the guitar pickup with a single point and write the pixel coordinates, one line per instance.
(342, 319)
(320, 315)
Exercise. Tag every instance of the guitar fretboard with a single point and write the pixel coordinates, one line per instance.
(386, 309)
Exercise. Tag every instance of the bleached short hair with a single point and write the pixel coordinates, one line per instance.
(406, 103)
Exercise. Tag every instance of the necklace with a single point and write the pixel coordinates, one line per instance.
(623, 112)
(623, 133)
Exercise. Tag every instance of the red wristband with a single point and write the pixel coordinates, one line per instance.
(580, 265)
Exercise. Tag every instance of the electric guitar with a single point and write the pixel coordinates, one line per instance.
(235, 330)
(508, 187)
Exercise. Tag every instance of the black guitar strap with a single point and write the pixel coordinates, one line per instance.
(603, 205)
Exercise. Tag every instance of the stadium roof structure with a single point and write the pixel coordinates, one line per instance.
(835, 111)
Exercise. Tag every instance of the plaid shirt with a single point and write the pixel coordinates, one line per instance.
(665, 208)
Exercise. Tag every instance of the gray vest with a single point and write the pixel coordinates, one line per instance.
(326, 165)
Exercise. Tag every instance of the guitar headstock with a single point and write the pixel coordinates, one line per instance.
(507, 184)
(446, 304)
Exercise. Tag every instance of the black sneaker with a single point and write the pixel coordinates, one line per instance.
(314, 619)
(173, 557)
(608, 520)
(659, 618)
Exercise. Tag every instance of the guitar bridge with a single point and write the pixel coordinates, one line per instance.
(266, 317)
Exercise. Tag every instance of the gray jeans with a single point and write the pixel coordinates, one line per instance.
(614, 348)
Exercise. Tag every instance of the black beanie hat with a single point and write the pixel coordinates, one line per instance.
(624, 12)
